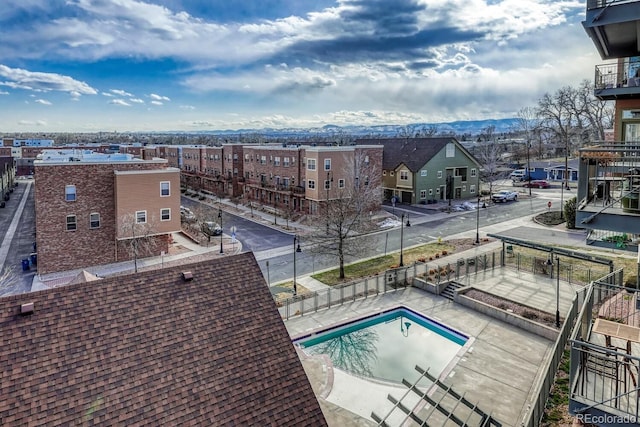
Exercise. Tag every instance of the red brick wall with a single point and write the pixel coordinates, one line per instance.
(58, 249)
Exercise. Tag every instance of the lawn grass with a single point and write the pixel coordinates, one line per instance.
(380, 264)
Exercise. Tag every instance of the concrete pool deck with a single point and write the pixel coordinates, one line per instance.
(498, 370)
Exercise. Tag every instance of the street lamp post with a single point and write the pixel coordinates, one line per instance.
(528, 167)
(296, 241)
(401, 239)
(220, 221)
(557, 292)
(477, 242)
(327, 186)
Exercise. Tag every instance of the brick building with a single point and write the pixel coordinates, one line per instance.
(89, 206)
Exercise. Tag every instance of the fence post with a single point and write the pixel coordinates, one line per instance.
(328, 290)
(366, 287)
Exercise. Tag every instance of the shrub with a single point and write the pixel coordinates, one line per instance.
(437, 255)
(444, 253)
(422, 259)
(432, 272)
(430, 258)
(528, 314)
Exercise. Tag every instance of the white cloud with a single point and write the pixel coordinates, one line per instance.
(157, 102)
(121, 102)
(120, 92)
(43, 82)
(2, 92)
(110, 95)
(42, 101)
(136, 100)
(187, 107)
(159, 97)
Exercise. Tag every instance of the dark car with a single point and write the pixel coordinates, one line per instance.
(538, 183)
(211, 228)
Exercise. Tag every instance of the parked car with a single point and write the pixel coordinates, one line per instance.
(186, 215)
(538, 183)
(518, 175)
(504, 196)
(211, 228)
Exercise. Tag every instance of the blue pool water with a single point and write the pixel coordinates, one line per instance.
(388, 345)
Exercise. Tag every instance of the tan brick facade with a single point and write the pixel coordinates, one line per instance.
(106, 189)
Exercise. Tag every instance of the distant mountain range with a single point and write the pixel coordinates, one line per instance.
(472, 127)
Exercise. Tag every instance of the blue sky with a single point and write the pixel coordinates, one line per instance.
(156, 65)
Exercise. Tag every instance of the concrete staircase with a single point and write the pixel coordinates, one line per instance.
(450, 291)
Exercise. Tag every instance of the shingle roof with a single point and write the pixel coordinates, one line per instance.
(413, 152)
(154, 349)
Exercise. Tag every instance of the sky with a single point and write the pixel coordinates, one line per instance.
(204, 65)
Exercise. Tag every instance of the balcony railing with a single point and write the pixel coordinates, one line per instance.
(612, 81)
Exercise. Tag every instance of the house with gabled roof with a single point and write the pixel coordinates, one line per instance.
(425, 170)
(199, 344)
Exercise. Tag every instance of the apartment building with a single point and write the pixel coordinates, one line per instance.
(301, 178)
(605, 360)
(425, 170)
(89, 207)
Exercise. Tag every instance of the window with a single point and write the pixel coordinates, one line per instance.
(450, 150)
(285, 162)
(327, 164)
(72, 223)
(439, 174)
(276, 161)
(141, 217)
(327, 184)
(164, 188)
(366, 160)
(404, 175)
(431, 191)
(165, 214)
(392, 173)
(384, 173)
(472, 188)
(423, 172)
(341, 183)
(473, 172)
(94, 220)
(423, 194)
(311, 164)
(312, 184)
(70, 193)
(263, 160)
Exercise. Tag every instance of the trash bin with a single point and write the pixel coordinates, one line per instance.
(33, 258)
(25, 265)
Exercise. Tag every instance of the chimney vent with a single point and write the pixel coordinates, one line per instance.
(26, 308)
(187, 276)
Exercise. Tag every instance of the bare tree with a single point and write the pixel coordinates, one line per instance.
(526, 123)
(598, 114)
(207, 220)
(357, 192)
(559, 115)
(138, 236)
(489, 155)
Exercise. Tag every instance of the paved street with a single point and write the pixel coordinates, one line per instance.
(17, 228)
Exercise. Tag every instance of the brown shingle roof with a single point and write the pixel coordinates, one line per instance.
(412, 152)
(153, 349)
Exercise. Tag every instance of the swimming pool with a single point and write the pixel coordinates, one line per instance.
(388, 345)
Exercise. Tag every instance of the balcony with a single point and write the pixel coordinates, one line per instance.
(613, 27)
(609, 188)
(611, 82)
(605, 355)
